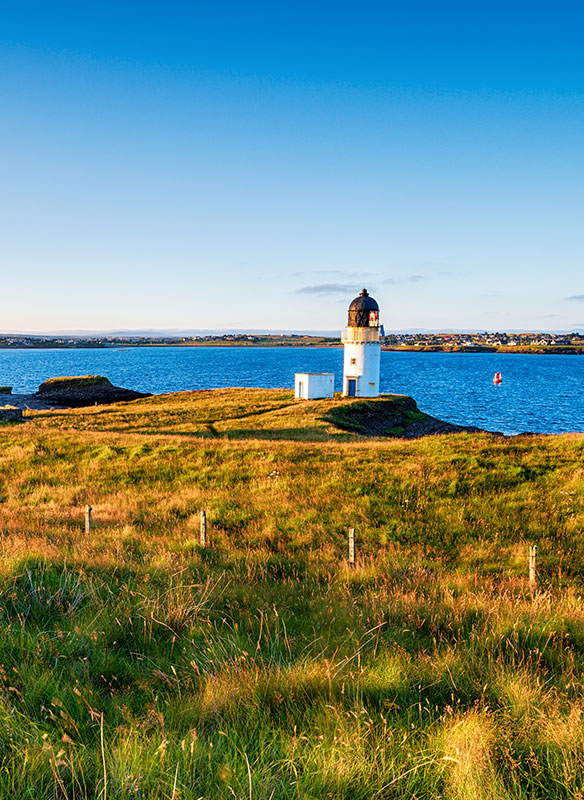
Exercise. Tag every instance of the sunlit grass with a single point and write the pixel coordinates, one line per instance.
(135, 664)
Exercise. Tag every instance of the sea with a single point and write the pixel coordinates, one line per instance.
(538, 393)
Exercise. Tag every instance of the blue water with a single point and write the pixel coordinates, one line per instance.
(544, 394)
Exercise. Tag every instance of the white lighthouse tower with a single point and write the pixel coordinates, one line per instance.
(362, 348)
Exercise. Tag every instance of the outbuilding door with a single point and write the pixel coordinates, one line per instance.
(352, 387)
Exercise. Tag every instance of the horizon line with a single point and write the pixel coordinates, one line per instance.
(168, 333)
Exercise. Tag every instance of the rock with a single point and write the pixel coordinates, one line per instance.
(431, 426)
(83, 390)
(391, 415)
(10, 414)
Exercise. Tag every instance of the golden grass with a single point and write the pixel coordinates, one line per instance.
(263, 661)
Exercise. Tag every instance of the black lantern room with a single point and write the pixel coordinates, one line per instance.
(363, 312)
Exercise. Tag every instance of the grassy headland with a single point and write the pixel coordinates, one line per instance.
(134, 664)
(68, 382)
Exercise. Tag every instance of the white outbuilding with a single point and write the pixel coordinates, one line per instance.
(314, 385)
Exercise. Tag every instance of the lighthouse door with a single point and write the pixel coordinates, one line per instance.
(352, 388)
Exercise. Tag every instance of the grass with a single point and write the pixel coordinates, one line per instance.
(134, 664)
(251, 413)
(68, 382)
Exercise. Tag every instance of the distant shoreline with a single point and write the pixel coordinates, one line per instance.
(483, 349)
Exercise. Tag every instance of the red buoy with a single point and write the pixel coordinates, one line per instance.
(497, 379)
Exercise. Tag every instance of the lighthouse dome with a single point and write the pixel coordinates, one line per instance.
(364, 312)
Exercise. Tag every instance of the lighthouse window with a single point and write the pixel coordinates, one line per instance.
(353, 361)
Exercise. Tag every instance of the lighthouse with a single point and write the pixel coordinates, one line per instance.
(362, 348)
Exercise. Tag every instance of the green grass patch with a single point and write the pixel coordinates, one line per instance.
(135, 663)
(67, 382)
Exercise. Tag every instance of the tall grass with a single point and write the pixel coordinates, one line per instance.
(134, 664)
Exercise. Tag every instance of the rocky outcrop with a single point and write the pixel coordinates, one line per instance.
(85, 390)
(10, 414)
(433, 426)
(391, 415)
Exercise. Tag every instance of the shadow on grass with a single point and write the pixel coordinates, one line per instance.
(306, 434)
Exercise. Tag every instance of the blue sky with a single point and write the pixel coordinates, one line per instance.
(244, 165)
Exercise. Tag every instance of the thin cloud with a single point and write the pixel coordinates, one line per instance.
(337, 273)
(579, 298)
(327, 288)
(406, 279)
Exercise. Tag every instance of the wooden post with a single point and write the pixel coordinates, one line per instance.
(87, 520)
(352, 548)
(203, 537)
(532, 567)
